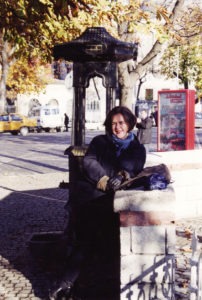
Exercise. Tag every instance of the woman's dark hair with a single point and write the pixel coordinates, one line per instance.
(127, 114)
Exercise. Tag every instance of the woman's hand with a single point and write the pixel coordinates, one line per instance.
(125, 174)
(103, 183)
(111, 184)
(114, 182)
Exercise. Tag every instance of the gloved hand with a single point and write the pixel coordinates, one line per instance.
(103, 183)
(125, 174)
(114, 182)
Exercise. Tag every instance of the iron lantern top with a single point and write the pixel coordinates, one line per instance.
(95, 44)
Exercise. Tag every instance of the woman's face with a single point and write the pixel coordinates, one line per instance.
(119, 126)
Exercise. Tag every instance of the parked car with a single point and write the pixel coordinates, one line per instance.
(16, 123)
(198, 120)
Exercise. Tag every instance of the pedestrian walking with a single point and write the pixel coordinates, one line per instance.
(66, 122)
(144, 126)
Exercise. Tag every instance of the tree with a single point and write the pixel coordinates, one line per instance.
(29, 28)
(161, 30)
(183, 57)
(184, 62)
(27, 77)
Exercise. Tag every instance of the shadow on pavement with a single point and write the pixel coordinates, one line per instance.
(30, 165)
(21, 215)
(25, 213)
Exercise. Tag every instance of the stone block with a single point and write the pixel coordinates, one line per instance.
(125, 240)
(147, 239)
(147, 268)
(153, 239)
(144, 218)
(145, 201)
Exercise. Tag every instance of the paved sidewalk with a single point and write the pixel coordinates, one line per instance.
(35, 203)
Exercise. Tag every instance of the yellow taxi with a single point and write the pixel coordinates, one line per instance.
(16, 123)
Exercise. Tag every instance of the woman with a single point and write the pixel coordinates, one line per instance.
(110, 159)
(116, 154)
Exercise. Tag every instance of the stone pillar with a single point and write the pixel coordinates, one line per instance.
(147, 241)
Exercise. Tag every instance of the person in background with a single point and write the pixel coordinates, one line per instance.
(110, 159)
(66, 121)
(144, 132)
(155, 115)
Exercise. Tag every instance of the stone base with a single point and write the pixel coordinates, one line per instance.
(147, 243)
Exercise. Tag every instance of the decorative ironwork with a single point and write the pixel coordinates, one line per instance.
(155, 289)
(96, 44)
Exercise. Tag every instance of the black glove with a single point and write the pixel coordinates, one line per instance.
(114, 182)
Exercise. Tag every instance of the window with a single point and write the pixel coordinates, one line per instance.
(55, 111)
(93, 105)
(149, 94)
(35, 113)
(5, 118)
(16, 118)
(46, 112)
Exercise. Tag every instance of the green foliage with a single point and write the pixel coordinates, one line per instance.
(184, 56)
(33, 27)
(184, 60)
(36, 25)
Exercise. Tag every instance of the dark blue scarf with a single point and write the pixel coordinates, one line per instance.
(122, 144)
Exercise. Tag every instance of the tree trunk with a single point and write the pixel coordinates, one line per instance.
(126, 83)
(186, 84)
(129, 73)
(4, 74)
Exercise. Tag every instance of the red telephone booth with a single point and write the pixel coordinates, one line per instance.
(176, 120)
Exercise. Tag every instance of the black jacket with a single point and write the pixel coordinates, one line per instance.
(100, 159)
(144, 132)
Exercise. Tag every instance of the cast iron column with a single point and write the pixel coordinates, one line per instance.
(78, 134)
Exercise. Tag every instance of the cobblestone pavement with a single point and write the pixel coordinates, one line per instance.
(35, 203)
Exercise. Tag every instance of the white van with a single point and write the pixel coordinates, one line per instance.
(48, 117)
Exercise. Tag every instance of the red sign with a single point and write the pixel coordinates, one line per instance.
(176, 120)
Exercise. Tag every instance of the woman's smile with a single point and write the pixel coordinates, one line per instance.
(119, 126)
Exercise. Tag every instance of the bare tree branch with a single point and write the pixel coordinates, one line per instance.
(157, 47)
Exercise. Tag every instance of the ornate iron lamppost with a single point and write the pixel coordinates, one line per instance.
(94, 53)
